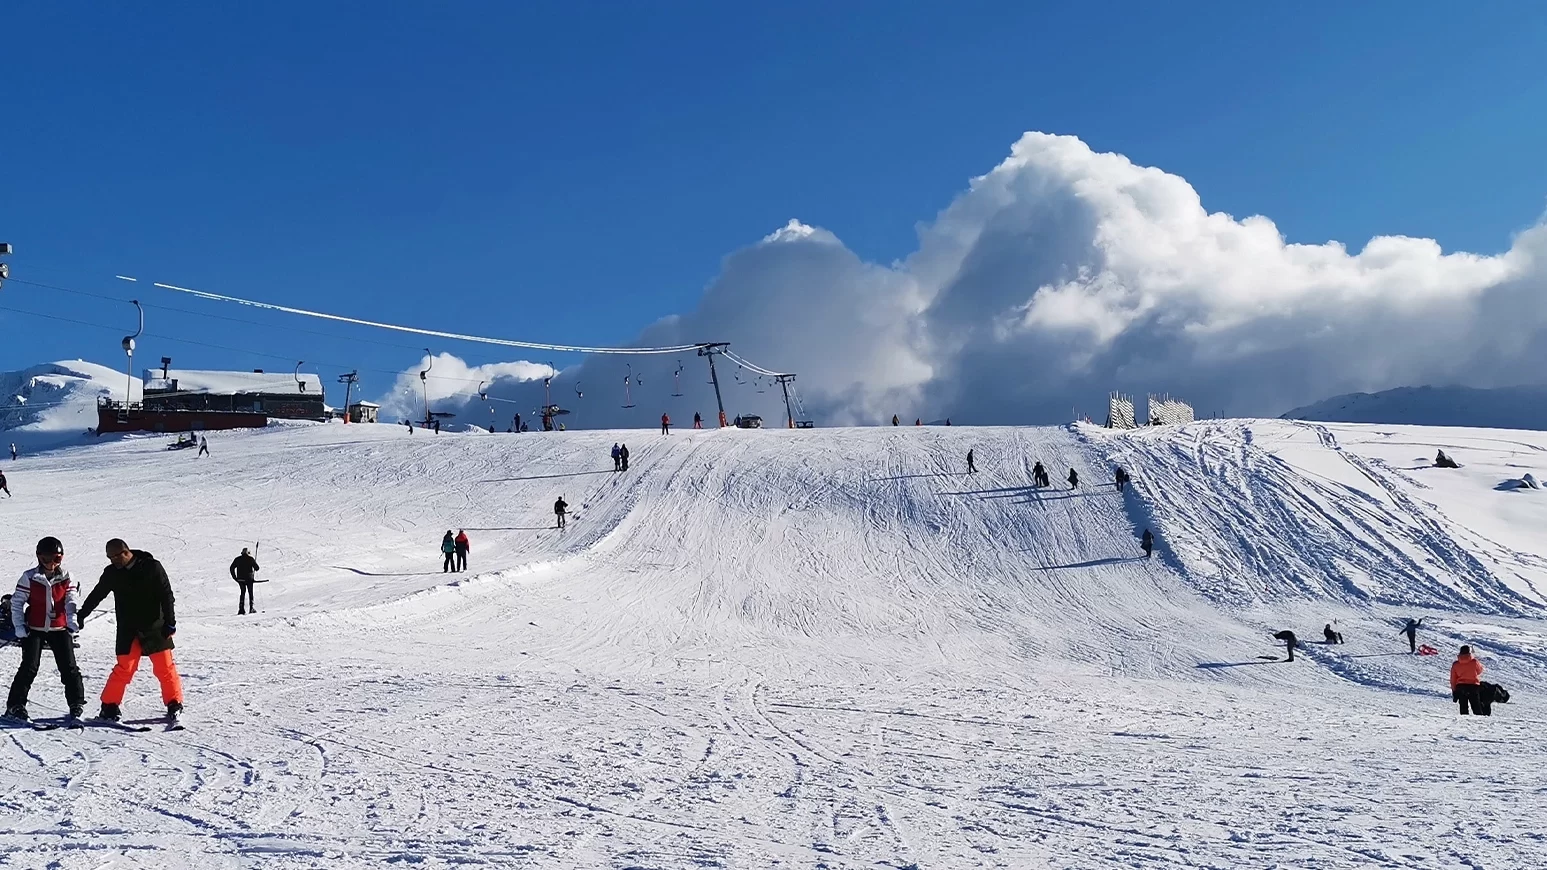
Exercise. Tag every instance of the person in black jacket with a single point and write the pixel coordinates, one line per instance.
(242, 571)
(142, 599)
(1288, 637)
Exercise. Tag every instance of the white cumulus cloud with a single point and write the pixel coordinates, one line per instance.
(1064, 273)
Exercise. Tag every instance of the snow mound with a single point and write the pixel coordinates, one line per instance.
(1502, 408)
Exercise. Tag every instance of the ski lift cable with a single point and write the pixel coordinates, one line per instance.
(530, 345)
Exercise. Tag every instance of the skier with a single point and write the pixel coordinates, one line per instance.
(1038, 475)
(895, 421)
(1120, 477)
(464, 546)
(142, 598)
(1288, 637)
(13, 452)
(665, 425)
(558, 510)
(617, 457)
(698, 422)
(1330, 635)
(517, 427)
(4, 487)
(243, 568)
(410, 425)
(1074, 479)
(1411, 630)
(448, 551)
(1465, 674)
(1148, 543)
(437, 425)
(972, 467)
(203, 447)
(43, 613)
(623, 454)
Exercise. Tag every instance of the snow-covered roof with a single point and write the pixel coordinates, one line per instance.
(229, 383)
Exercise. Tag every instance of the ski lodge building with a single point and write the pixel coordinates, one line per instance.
(276, 395)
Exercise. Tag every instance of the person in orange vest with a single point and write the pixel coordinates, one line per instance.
(665, 425)
(1465, 674)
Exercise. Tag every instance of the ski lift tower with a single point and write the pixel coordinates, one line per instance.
(784, 382)
(709, 349)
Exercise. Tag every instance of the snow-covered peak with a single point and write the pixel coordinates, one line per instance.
(1501, 408)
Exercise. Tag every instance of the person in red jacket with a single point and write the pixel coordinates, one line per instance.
(1465, 673)
(665, 425)
(43, 613)
(464, 546)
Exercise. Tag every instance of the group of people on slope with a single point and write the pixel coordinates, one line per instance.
(619, 457)
(44, 611)
(1466, 685)
(454, 550)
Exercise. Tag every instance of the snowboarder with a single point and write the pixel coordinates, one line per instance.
(243, 568)
(4, 487)
(464, 546)
(617, 457)
(895, 421)
(43, 613)
(1330, 635)
(1288, 637)
(623, 454)
(142, 598)
(665, 425)
(448, 552)
(1411, 630)
(203, 447)
(972, 467)
(1074, 479)
(1465, 674)
(1120, 478)
(698, 422)
(1038, 475)
(1148, 543)
(1443, 461)
(558, 510)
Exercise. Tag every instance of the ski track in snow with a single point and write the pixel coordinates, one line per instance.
(818, 648)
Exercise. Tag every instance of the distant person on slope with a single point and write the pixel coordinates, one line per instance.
(972, 466)
(665, 425)
(1288, 637)
(13, 452)
(243, 568)
(1120, 478)
(4, 487)
(558, 510)
(1074, 479)
(617, 457)
(203, 447)
(1148, 543)
(1411, 630)
(43, 613)
(142, 599)
(623, 454)
(464, 546)
(698, 422)
(1330, 635)
(1443, 461)
(1465, 675)
(895, 421)
(448, 552)
(1039, 475)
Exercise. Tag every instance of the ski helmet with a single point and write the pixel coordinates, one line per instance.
(50, 546)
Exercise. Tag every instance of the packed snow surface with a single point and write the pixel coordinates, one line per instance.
(811, 648)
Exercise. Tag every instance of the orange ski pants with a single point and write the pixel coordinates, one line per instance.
(160, 663)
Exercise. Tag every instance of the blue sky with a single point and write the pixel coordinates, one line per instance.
(571, 172)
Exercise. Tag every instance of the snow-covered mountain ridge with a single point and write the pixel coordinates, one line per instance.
(1501, 408)
(801, 648)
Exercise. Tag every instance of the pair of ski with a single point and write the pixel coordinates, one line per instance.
(137, 726)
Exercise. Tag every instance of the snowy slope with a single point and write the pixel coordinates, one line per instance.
(1502, 408)
(799, 648)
